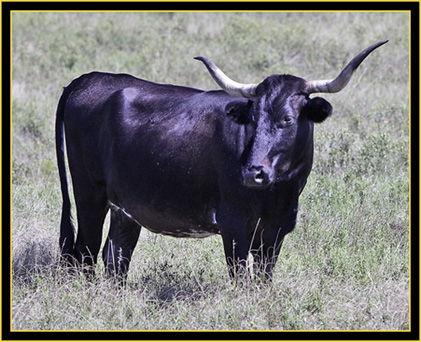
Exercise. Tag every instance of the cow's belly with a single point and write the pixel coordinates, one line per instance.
(197, 232)
(172, 223)
(169, 194)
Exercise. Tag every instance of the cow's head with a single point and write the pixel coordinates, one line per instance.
(282, 114)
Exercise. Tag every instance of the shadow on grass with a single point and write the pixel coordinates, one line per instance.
(161, 281)
(34, 259)
(165, 282)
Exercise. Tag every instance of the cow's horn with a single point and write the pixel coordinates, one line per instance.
(231, 87)
(337, 84)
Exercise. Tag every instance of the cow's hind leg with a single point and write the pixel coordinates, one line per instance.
(121, 241)
(92, 206)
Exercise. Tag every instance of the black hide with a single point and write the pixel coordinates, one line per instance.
(185, 163)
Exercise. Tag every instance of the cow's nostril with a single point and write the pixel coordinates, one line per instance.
(255, 168)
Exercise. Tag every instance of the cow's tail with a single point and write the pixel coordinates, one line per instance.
(67, 230)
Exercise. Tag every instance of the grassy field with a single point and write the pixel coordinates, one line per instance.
(344, 267)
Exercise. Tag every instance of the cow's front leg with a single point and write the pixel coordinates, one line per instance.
(264, 260)
(267, 244)
(232, 224)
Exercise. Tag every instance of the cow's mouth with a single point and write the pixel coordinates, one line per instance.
(256, 178)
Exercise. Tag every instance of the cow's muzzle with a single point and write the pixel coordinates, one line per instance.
(256, 177)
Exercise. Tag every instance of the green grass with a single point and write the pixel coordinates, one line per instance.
(345, 266)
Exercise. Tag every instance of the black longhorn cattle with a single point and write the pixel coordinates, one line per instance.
(187, 163)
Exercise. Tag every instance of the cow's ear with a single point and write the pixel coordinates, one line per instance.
(317, 109)
(239, 111)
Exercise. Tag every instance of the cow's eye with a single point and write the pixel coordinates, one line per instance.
(288, 119)
(285, 122)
